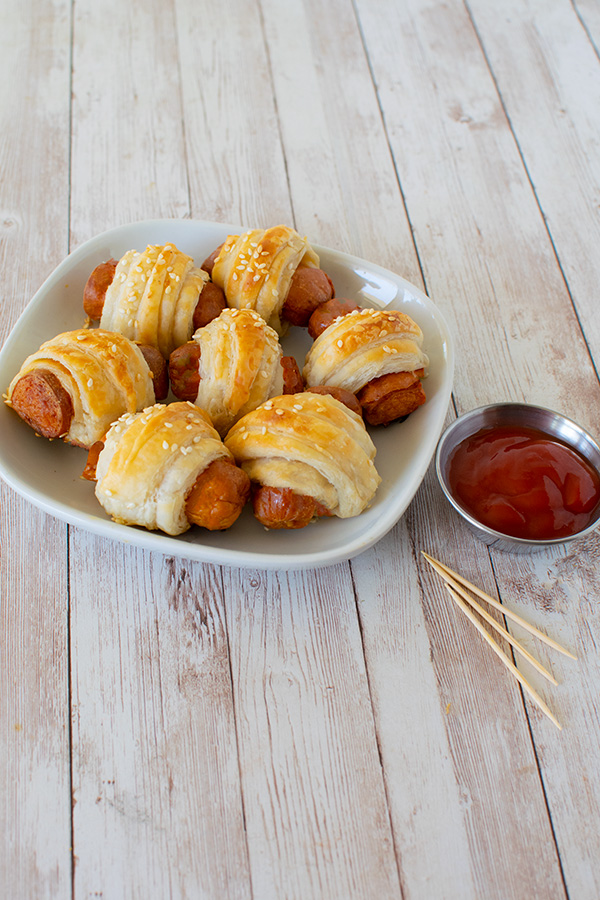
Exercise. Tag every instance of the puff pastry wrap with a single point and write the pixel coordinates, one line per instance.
(255, 269)
(312, 444)
(240, 366)
(150, 462)
(363, 345)
(152, 297)
(104, 373)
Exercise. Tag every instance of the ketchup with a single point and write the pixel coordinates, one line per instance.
(522, 483)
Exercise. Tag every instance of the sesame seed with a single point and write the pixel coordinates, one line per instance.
(81, 337)
(235, 276)
(340, 343)
(174, 447)
(197, 439)
(168, 424)
(263, 430)
(165, 445)
(90, 382)
(279, 412)
(114, 348)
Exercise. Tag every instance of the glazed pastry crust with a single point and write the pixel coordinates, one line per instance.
(240, 366)
(255, 270)
(363, 345)
(153, 296)
(150, 462)
(104, 373)
(313, 444)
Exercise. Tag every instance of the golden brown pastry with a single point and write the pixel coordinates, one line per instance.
(237, 361)
(152, 297)
(255, 270)
(154, 463)
(79, 382)
(306, 445)
(376, 354)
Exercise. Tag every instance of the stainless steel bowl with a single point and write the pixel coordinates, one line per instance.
(552, 424)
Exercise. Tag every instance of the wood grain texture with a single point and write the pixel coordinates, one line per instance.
(236, 168)
(155, 758)
(35, 795)
(128, 156)
(341, 733)
(543, 45)
(316, 816)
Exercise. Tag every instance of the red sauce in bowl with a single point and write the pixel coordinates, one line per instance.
(522, 483)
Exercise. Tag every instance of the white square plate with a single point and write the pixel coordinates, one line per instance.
(48, 473)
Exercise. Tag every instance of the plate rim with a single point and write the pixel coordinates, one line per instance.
(201, 552)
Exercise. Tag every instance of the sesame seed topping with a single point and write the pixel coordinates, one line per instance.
(165, 445)
(90, 382)
(174, 447)
(279, 412)
(263, 430)
(340, 343)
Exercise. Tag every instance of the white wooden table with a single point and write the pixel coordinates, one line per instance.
(173, 729)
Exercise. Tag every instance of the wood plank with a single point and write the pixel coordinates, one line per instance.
(236, 167)
(462, 863)
(344, 189)
(35, 794)
(155, 756)
(128, 152)
(156, 780)
(316, 816)
(482, 242)
(315, 809)
(543, 45)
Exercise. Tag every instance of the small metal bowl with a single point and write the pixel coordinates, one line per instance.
(553, 424)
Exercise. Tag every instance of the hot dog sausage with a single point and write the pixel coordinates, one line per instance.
(211, 304)
(391, 397)
(292, 377)
(40, 400)
(209, 262)
(218, 496)
(309, 288)
(89, 472)
(96, 286)
(283, 508)
(346, 397)
(158, 368)
(184, 372)
(327, 313)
